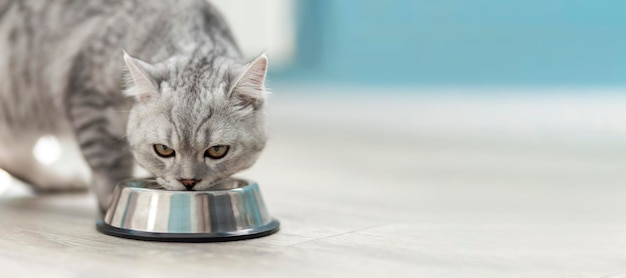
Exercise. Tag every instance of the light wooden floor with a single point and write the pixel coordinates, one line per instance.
(371, 186)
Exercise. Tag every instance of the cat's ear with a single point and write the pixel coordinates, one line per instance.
(249, 90)
(141, 75)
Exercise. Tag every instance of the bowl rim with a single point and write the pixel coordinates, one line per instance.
(124, 184)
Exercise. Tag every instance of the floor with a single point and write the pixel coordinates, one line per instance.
(434, 183)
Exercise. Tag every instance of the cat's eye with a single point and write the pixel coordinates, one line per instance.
(163, 150)
(216, 152)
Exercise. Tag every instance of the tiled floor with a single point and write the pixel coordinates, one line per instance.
(452, 185)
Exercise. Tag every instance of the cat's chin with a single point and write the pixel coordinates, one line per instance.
(174, 185)
(170, 185)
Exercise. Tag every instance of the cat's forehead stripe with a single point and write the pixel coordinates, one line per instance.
(174, 127)
(203, 76)
(201, 124)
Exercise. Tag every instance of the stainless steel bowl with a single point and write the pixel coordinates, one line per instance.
(231, 210)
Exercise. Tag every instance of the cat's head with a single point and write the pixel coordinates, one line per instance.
(196, 121)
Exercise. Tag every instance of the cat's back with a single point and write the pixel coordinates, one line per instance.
(44, 34)
(44, 37)
(45, 45)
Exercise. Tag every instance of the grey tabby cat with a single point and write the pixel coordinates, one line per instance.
(196, 109)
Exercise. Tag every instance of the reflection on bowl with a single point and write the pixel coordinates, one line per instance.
(233, 209)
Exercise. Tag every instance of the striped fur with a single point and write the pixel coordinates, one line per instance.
(62, 72)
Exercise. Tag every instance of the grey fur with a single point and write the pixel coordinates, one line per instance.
(61, 73)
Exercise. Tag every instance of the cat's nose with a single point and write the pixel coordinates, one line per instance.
(189, 183)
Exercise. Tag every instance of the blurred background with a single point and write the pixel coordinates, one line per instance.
(509, 106)
(533, 73)
(447, 42)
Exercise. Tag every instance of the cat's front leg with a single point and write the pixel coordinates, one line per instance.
(100, 133)
(104, 181)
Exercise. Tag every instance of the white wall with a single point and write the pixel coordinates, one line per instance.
(262, 25)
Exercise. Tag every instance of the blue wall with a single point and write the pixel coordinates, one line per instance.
(461, 42)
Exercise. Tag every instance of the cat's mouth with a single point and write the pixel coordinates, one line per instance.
(175, 185)
(170, 184)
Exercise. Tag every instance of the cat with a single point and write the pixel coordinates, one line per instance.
(159, 83)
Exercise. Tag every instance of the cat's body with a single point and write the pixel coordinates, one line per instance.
(61, 73)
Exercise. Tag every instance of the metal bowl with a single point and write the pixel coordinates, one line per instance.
(231, 210)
